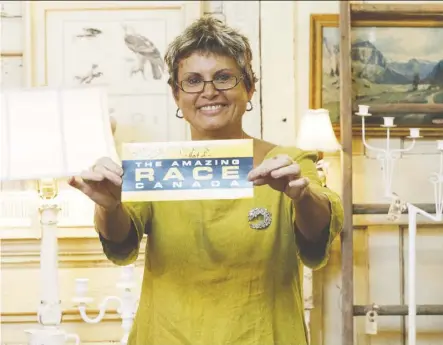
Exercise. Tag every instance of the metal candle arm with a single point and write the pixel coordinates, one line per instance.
(128, 302)
(387, 156)
(436, 179)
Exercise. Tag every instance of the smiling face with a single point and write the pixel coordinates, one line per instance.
(212, 114)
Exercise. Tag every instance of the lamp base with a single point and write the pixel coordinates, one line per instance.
(51, 336)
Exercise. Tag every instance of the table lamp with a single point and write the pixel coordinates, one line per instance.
(316, 134)
(48, 134)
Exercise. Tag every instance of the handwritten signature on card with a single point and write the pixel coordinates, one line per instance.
(148, 153)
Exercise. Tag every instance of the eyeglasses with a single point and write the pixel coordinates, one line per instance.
(221, 83)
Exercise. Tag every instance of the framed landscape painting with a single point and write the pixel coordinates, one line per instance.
(397, 70)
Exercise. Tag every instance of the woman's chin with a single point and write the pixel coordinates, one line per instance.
(213, 129)
(215, 123)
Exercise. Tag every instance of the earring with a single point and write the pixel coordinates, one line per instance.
(250, 106)
(177, 114)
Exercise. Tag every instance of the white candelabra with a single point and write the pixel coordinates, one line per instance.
(387, 156)
(128, 301)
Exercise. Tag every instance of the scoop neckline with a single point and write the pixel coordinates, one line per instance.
(269, 153)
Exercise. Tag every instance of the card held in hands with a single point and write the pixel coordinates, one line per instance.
(188, 170)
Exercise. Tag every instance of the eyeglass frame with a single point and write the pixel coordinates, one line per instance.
(238, 80)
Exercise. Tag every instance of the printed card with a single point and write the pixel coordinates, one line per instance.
(189, 170)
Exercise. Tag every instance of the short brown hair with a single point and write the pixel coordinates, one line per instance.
(211, 35)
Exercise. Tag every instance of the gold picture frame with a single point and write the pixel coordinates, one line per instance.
(381, 92)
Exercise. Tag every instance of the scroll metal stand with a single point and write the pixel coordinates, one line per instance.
(387, 156)
(437, 180)
(49, 313)
(128, 301)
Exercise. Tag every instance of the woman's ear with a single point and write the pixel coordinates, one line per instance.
(174, 90)
(113, 124)
(175, 94)
(251, 93)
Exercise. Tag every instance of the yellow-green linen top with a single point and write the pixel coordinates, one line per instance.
(210, 279)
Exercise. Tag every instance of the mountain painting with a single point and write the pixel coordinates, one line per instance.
(389, 65)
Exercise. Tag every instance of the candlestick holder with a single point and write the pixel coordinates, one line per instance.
(128, 301)
(397, 207)
(437, 180)
(387, 156)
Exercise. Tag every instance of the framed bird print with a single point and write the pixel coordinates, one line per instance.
(119, 44)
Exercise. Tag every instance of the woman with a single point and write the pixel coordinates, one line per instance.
(211, 276)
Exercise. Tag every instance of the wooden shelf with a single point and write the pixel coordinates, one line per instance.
(384, 208)
(412, 15)
(399, 310)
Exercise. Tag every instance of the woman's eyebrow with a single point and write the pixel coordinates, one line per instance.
(216, 72)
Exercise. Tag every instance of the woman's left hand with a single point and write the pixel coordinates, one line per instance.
(282, 174)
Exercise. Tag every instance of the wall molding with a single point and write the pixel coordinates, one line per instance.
(73, 253)
(21, 209)
(68, 315)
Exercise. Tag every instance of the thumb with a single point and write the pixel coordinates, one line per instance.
(77, 183)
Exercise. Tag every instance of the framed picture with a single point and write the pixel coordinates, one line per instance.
(11, 49)
(118, 44)
(397, 70)
(11, 64)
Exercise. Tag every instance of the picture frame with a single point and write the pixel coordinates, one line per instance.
(11, 64)
(100, 43)
(396, 82)
(11, 49)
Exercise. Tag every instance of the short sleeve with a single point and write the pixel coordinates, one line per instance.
(125, 253)
(316, 255)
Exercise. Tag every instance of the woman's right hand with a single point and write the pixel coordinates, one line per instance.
(101, 183)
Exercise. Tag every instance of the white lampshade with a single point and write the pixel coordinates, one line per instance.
(315, 132)
(53, 132)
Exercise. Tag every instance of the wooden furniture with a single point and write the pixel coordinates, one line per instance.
(349, 12)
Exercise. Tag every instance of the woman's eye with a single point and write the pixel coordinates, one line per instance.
(223, 77)
(193, 81)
